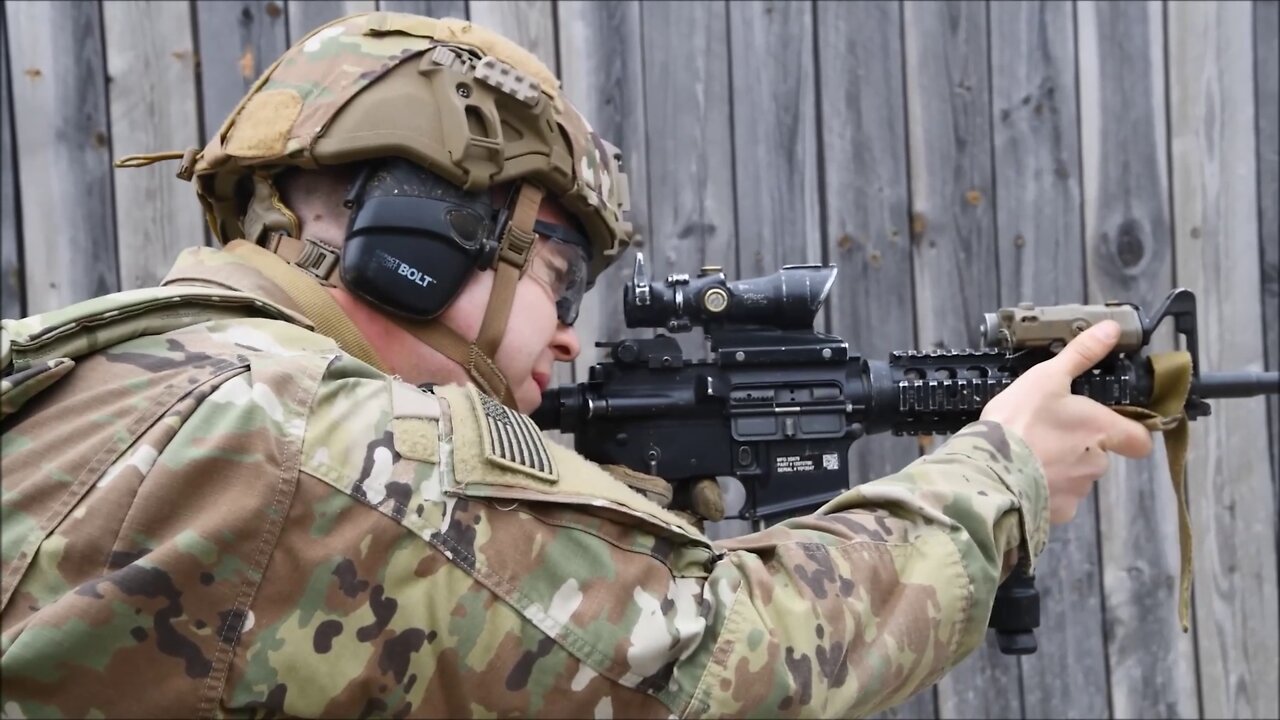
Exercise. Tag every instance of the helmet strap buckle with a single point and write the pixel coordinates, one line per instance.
(519, 216)
(516, 247)
(317, 260)
(309, 255)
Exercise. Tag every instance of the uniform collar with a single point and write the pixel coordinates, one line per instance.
(213, 267)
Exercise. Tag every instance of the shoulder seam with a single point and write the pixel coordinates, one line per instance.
(706, 671)
(966, 613)
(286, 490)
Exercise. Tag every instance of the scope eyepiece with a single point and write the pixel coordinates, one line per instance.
(787, 300)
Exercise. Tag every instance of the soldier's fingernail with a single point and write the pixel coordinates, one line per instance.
(1110, 330)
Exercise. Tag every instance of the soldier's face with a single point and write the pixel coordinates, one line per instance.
(534, 338)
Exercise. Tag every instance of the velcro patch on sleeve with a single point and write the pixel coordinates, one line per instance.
(416, 439)
(512, 440)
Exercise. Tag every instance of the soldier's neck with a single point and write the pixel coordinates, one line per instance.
(404, 355)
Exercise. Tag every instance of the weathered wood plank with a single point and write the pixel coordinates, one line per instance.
(1211, 126)
(307, 15)
(11, 294)
(151, 65)
(775, 135)
(430, 8)
(1128, 241)
(953, 238)
(1040, 246)
(62, 145)
(690, 153)
(864, 163)
(237, 41)
(949, 122)
(1037, 152)
(600, 68)
(1266, 33)
(530, 23)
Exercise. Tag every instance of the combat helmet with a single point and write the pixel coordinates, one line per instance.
(461, 101)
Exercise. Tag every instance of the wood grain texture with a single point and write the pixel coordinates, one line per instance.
(1211, 103)
(864, 163)
(949, 131)
(1266, 50)
(1128, 241)
(307, 15)
(1040, 245)
(775, 135)
(430, 8)
(690, 153)
(601, 72)
(151, 62)
(11, 295)
(63, 151)
(530, 23)
(953, 238)
(690, 149)
(236, 42)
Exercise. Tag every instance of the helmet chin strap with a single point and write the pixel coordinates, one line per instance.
(476, 357)
(513, 257)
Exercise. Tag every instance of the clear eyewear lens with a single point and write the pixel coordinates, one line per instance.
(563, 269)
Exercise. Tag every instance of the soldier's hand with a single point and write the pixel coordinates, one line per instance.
(697, 502)
(1070, 434)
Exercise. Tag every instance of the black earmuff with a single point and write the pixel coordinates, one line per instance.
(413, 239)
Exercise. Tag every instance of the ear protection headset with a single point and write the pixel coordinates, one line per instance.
(413, 238)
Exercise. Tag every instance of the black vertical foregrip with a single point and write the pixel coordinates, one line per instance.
(1015, 615)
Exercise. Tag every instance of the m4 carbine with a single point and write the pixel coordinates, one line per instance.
(777, 404)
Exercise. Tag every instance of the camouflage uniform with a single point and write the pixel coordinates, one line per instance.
(209, 509)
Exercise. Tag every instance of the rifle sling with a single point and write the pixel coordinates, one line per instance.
(1171, 374)
(312, 299)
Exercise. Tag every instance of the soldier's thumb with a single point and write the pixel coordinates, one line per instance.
(1087, 349)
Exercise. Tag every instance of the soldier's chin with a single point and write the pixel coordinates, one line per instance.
(528, 396)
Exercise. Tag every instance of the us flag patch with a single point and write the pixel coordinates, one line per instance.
(513, 440)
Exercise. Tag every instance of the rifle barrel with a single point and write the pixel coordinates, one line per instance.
(1236, 384)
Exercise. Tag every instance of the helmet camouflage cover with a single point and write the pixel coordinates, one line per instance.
(456, 98)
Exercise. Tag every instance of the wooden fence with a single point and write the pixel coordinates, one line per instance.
(950, 157)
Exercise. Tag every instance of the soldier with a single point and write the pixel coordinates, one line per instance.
(295, 478)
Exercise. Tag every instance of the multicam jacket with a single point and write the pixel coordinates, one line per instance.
(209, 510)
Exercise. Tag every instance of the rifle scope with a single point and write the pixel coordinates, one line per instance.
(788, 299)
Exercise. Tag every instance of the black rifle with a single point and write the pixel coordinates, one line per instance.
(778, 404)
